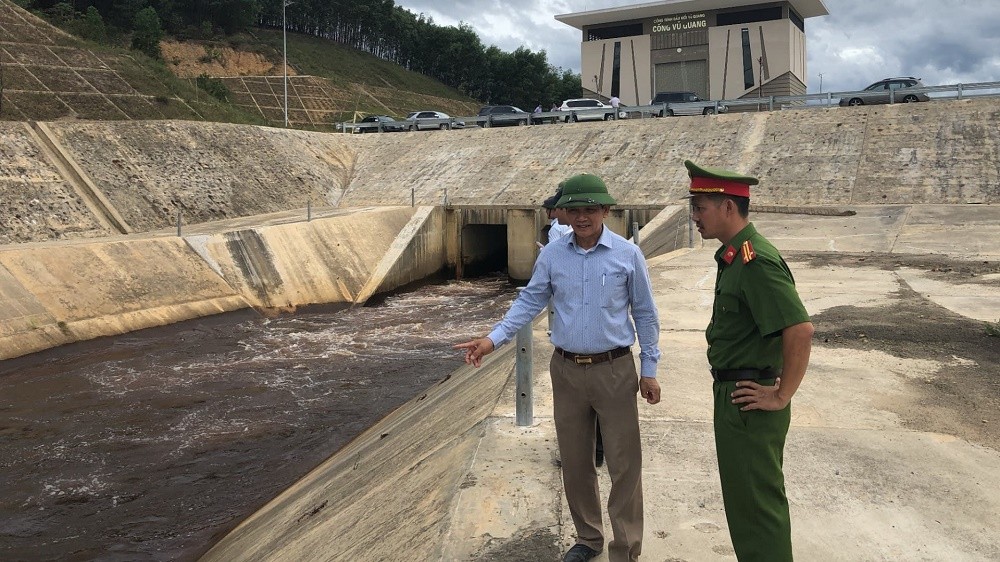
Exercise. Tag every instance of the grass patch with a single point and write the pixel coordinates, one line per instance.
(993, 329)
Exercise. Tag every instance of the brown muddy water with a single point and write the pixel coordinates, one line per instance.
(152, 445)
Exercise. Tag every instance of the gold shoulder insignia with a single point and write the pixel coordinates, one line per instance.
(748, 253)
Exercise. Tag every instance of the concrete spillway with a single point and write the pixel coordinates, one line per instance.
(915, 176)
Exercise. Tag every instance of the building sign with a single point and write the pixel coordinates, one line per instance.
(680, 23)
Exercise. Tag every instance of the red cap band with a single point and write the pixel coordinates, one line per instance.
(712, 185)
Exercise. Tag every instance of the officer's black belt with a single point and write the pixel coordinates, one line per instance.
(588, 359)
(729, 375)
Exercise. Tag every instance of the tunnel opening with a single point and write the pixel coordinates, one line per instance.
(484, 250)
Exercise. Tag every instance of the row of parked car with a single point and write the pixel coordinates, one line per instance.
(888, 90)
(577, 109)
(415, 121)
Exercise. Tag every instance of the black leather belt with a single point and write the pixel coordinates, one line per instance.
(729, 375)
(584, 359)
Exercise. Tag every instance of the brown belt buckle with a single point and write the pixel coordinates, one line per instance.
(583, 360)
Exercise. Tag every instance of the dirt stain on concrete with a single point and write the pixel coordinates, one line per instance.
(963, 397)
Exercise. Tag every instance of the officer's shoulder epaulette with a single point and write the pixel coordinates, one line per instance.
(747, 250)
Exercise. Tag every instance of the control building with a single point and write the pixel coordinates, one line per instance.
(718, 49)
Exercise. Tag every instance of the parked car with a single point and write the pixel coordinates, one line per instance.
(880, 92)
(389, 125)
(500, 115)
(586, 109)
(688, 103)
(417, 120)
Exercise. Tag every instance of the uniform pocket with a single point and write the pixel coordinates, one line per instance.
(727, 304)
(727, 321)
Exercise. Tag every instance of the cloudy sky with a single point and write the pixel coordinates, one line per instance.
(861, 41)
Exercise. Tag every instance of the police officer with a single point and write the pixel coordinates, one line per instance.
(758, 346)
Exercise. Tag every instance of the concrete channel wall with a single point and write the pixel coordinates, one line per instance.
(57, 293)
(389, 493)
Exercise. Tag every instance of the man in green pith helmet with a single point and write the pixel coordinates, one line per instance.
(759, 341)
(597, 280)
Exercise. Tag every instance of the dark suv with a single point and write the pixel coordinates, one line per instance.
(691, 104)
(500, 115)
(880, 92)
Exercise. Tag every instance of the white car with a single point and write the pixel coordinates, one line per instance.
(417, 120)
(586, 109)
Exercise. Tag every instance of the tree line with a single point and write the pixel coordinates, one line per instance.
(454, 56)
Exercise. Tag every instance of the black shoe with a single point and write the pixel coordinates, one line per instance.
(580, 553)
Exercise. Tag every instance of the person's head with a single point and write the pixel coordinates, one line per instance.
(586, 203)
(720, 200)
(549, 204)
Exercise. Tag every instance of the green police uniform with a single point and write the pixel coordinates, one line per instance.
(755, 299)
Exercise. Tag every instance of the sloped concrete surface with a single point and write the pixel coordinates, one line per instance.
(386, 495)
(934, 153)
(863, 482)
(58, 292)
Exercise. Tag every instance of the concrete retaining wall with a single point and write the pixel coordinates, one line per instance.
(61, 293)
(57, 293)
(940, 152)
(388, 494)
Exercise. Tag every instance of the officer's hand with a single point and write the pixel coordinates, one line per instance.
(758, 397)
(649, 389)
(476, 349)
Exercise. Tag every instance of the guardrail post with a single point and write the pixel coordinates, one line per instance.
(959, 91)
(635, 232)
(413, 197)
(523, 400)
(892, 96)
(178, 222)
(770, 103)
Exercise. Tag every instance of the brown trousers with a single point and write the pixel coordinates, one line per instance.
(582, 395)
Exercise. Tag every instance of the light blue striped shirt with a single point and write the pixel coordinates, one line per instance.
(557, 231)
(592, 292)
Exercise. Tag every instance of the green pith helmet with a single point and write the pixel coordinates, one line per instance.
(584, 190)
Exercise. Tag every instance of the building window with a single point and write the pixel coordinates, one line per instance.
(797, 20)
(616, 70)
(613, 32)
(748, 80)
(748, 16)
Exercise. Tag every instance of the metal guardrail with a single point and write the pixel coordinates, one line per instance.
(769, 103)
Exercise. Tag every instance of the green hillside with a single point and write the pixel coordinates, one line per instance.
(48, 74)
(329, 82)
